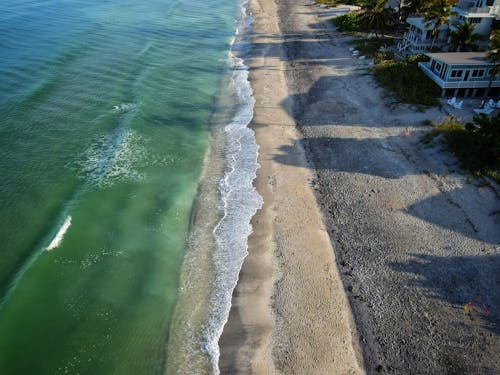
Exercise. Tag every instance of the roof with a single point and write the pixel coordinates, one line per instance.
(422, 24)
(477, 13)
(461, 58)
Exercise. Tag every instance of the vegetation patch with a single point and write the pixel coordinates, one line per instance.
(351, 21)
(328, 3)
(475, 144)
(370, 47)
(334, 3)
(407, 82)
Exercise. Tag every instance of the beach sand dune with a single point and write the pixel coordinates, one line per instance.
(399, 231)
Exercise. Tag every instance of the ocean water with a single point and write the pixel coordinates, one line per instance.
(118, 119)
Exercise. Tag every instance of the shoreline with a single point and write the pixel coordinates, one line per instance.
(290, 265)
(214, 254)
(413, 240)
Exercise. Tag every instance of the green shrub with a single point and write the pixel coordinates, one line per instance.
(369, 47)
(383, 57)
(333, 3)
(476, 145)
(348, 22)
(350, 2)
(419, 57)
(328, 3)
(407, 82)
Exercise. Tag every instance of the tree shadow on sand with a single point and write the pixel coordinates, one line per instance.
(334, 101)
(355, 156)
(308, 48)
(351, 155)
(471, 283)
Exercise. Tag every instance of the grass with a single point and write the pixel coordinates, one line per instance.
(348, 22)
(333, 3)
(370, 47)
(476, 145)
(407, 82)
(328, 3)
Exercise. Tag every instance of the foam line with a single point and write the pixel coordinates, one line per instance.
(240, 200)
(56, 241)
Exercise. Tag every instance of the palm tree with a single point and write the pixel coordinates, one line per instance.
(438, 14)
(376, 15)
(494, 57)
(463, 38)
(415, 6)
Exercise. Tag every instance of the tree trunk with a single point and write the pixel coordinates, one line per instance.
(487, 92)
(492, 77)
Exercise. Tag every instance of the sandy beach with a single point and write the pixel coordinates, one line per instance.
(369, 245)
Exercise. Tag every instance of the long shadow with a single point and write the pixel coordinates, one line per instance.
(458, 280)
(456, 218)
(468, 282)
(298, 49)
(355, 156)
(350, 155)
(297, 46)
(333, 101)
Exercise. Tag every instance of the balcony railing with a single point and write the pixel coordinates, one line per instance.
(424, 66)
(465, 4)
(456, 84)
(469, 7)
(483, 10)
(427, 42)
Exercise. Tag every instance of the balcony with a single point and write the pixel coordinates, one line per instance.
(429, 73)
(425, 66)
(467, 6)
(426, 42)
(483, 10)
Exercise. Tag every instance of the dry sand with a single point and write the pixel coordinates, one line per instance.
(413, 241)
(290, 313)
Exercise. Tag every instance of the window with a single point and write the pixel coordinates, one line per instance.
(438, 67)
(474, 20)
(477, 73)
(456, 73)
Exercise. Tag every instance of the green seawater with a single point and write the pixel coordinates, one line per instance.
(105, 111)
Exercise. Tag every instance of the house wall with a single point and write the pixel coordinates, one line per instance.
(421, 38)
(475, 84)
(475, 73)
(482, 27)
(458, 73)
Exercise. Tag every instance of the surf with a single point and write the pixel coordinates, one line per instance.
(218, 244)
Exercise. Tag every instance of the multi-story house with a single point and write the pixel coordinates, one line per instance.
(419, 38)
(464, 74)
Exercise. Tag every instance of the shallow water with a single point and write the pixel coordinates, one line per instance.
(106, 111)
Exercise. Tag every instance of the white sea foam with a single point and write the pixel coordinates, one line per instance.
(123, 107)
(56, 241)
(114, 157)
(240, 201)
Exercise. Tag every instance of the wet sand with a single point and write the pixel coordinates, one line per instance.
(412, 240)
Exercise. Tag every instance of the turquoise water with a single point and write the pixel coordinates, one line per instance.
(105, 111)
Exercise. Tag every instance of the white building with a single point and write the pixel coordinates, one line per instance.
(419, 37)
(465, 74)
(476, 12)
